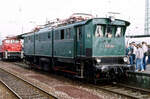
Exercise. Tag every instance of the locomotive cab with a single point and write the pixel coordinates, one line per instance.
(109, 41)
(100, 48)
(11, 48)
(108, 47)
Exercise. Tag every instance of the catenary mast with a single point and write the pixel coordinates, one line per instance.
(147, 17)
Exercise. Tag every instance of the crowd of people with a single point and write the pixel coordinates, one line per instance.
(139, 54)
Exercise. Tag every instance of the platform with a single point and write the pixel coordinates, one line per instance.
(140, 79)
(146, 72)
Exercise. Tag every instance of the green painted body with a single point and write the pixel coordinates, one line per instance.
(64, 48)
(29, 44)
(63, 45)
(43, 43)
(100, 47)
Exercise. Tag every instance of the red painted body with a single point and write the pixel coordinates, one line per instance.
(11, 48)
(11, 45)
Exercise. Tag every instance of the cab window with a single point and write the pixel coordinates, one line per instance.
(99, 31)
(118, 32)
(7, 41)
(14, 41)
(17, 41)
(109, 31)
(11, 41)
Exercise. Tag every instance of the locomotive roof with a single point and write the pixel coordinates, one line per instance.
(69, 25)
(11, 38)
(60, 27)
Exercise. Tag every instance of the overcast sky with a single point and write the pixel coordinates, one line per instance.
(19, 16)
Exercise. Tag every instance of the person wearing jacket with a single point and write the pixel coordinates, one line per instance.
(129, 52)
(145, 50)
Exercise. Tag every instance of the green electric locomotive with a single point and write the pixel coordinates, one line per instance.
(93, 49)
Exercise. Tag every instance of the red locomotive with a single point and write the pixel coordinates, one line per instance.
(11, 48)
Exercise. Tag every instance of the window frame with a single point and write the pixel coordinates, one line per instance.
(49, 35)
(102, 34)
(79, 33)
(112, 33)
(68, 33)
(121, 32)
(62, 34)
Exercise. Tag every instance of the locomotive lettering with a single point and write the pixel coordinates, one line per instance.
(109, 46)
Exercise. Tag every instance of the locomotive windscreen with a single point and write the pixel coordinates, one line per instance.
(109, 31)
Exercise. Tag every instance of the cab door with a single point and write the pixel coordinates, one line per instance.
(79, 42)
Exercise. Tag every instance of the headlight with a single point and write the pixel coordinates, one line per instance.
(105, 68)
(98, 60)
(125, 59)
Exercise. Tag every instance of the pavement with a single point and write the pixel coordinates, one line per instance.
(147, 69)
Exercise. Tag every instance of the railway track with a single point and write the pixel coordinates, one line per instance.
(125, 91)
(6, 92)
(21, 88)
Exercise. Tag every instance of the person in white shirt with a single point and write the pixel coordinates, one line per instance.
(145, 49)
(139, 58)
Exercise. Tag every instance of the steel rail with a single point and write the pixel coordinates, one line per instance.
(17, 96)
(115, 92)
(134, 88)
(27, 82)
(119, 86)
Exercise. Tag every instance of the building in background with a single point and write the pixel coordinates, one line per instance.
(147, 17)
(138, 39)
